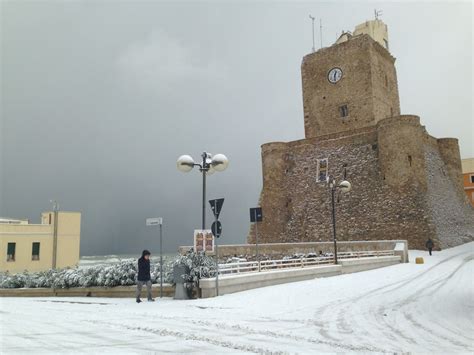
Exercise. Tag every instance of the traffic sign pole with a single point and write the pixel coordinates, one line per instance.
(256, 216)
(256, 241)
(217, 256)
(158, 221)
(216, 206)
(161, 260)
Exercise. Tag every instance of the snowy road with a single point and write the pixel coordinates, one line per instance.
(403, 308)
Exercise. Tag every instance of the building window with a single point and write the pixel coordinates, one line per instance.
(343, 111)
(11, 251)
(35, 251)
(322, 170)
(472, 179)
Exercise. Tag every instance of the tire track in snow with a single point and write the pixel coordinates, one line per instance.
(193, 337)
(344, 309)
(250, 330)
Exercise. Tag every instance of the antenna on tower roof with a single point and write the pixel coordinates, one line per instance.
(321, 31)
(312, 23)
(377, 13)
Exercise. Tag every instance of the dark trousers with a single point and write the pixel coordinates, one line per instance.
(430, 250)
(148, 289)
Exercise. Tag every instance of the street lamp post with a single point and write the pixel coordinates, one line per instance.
(209, 165)
(344, 186)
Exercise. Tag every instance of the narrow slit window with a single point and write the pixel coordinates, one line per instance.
(11, 249)
(322, 170)
(343, 111)
(35, 251)
(472, 179)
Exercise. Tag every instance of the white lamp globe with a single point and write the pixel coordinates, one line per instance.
(220, 162)
(345, 186)
(210, 171)
(185, 163)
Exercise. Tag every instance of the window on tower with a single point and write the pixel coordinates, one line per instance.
(322, 170)
(343, 111)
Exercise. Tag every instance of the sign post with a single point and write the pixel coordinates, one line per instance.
(158, 221)
(216, 206)
(256, 216)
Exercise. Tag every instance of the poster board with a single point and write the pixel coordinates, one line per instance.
(203, 240)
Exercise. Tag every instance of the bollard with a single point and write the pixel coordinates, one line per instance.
(180, 293)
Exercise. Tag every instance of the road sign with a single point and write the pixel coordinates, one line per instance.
(216, 206)
(216, 229)
(256, 214)
(156, 221)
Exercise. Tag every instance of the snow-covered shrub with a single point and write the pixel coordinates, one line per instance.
(120, 274)
(199, 266)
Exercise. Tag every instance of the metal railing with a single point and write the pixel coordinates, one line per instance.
(269, 265)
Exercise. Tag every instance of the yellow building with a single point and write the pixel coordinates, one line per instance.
(468, 178)
(37, 247)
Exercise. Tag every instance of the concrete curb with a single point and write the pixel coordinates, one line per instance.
(112, 292)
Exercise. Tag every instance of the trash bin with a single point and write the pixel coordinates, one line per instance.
(181, 292)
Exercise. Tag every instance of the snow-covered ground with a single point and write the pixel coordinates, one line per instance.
(404, 308)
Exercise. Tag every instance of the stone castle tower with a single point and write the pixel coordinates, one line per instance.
(406, 184)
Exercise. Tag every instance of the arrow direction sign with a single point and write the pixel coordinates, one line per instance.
(216, 206)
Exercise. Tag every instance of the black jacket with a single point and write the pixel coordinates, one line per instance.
(429, 244)
(144, 267)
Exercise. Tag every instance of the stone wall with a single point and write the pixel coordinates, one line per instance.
(278, 250)
(449, 209)
(395, 190)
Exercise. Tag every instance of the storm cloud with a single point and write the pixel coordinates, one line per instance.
(99, 98)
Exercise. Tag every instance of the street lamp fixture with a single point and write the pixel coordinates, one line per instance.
(344, 186)
(209, 165)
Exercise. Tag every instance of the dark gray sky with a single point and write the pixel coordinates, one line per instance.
(99, 98)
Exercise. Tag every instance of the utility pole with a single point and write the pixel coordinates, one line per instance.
(55, 232)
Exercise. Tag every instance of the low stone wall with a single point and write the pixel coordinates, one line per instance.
(275, 249)
(112, 292)
(241, 282)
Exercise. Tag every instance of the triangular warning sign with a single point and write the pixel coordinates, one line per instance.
(216, 206)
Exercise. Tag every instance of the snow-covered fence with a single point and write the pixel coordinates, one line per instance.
(298, 262)
(292, 272)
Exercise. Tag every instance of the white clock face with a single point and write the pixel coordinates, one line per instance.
(334, 75)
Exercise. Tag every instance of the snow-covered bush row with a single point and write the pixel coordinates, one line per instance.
(120, 274)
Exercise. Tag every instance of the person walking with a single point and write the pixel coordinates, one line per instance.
(429, 245)
(144, 277)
